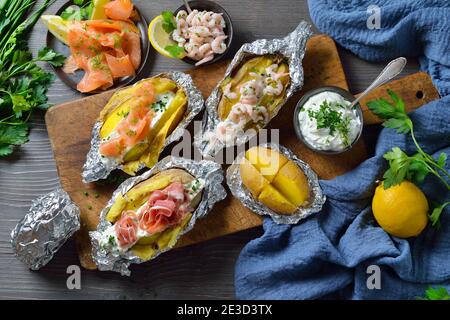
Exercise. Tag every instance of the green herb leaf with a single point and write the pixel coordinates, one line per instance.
(439, 293)
(169, 23)
(23, 83)
(442, 160)
(5, 150)
(78, 2)
(402, 166)
(436, 214)
(174, 50)
(71, 13)
(394, 114)
(20, 104)
(13, 134)
(326, 117)
(54, 58)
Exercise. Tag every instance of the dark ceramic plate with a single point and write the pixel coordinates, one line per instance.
(72, 79)
(201, 5)
(344, 93)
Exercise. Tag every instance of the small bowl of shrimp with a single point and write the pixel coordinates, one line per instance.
(205, 33)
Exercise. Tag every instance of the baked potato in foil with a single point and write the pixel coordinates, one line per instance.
(138, 122)
(256, 85)
(147, 214)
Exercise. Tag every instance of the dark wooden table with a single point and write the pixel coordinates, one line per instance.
(203, 271)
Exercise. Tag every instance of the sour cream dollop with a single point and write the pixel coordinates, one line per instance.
(327, 123)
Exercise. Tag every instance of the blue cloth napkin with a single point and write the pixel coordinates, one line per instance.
(327, 255)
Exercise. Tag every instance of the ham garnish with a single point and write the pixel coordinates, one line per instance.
(164, 208)
(126, 228)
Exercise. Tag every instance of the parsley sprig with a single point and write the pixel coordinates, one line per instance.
(439, 293)
(23, 84)
(414, 167)
(81, 10)
(169, 23)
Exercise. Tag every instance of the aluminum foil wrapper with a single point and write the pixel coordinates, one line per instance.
(316, 200)
(51, 220)
(95, 169)
(292, 47)
(213, 192)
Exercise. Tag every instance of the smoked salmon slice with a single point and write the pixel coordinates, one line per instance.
(135, 126)
(105, 50)
(120, 66)
(119, 9)
(113, 147)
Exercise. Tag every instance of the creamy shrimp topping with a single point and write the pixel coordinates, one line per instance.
(248, 111)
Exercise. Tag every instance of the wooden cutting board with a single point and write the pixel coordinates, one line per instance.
(69, 126)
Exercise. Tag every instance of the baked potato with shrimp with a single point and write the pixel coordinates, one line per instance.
(251, 96)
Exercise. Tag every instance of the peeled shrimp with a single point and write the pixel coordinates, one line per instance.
(201, 34)
(205, 59)
(227, 92)
(218, 45)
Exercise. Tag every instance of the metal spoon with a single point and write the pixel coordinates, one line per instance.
(189, 10)
(389, 72)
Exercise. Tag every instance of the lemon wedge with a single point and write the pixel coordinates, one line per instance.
(98, 12)
(159, 38)
(57, 26)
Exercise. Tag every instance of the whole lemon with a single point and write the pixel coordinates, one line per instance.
(400, 210)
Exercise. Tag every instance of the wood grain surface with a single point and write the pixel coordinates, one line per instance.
(69, 126)
(201, 271)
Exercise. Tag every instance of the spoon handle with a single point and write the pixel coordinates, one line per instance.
(390, 71)
(188, 7)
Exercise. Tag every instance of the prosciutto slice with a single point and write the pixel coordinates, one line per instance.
(164, 208)
(126, 228)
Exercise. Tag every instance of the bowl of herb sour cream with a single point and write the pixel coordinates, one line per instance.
(325, 123)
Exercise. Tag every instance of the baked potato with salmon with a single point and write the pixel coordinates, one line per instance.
(138, 122)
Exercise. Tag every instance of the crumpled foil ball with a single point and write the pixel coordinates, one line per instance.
(51, 220)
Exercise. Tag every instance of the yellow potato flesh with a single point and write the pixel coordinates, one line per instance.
(116, 209)
(273, 199)
(292, 183)
(147, 247)
(252, 178)
(267, 162)
(274, 180)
